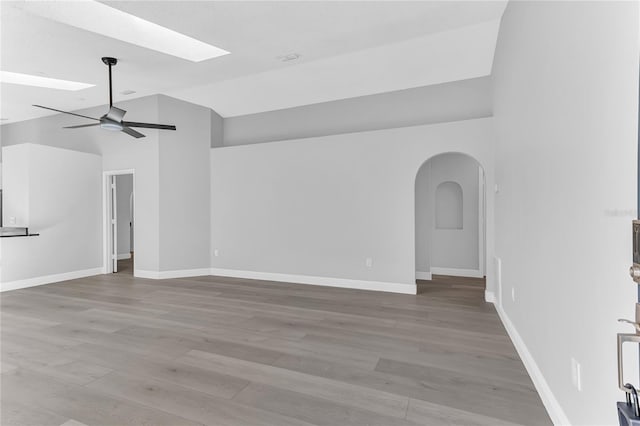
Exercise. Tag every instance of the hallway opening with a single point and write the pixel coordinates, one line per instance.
(119, 217)
(450, 223)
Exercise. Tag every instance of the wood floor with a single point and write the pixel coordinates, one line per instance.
(119, 350)
(125, 266)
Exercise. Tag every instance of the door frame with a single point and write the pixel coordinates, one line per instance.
(107, 239)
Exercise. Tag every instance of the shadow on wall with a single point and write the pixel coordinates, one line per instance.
(450, 217)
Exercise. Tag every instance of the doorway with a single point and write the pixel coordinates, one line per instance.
(119, 221)
(450, 225)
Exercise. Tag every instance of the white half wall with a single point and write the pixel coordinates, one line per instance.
(566, 115)
(322, 206)
(63, 204)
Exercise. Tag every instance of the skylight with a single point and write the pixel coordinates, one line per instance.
(36, 80)
(104, 20)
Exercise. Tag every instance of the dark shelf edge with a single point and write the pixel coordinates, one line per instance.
(14, 236)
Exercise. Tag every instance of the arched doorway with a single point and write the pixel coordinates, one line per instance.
(450, 218)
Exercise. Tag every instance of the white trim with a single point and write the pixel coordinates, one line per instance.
(498, 278)
(108, 266)
(482, 213)
(420, 275)
(48, 279)
(124, 256)
(455, 272)
(163, 275)
(113, 224)
(489, 297)
(554, 409)
(324, 281)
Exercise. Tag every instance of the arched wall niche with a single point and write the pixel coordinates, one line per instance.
(449, 205)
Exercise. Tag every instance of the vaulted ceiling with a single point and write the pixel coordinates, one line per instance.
(345, 48)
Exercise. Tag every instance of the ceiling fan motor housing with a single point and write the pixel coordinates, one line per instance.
(109, 60)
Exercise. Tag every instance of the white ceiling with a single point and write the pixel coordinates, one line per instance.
(348, 48)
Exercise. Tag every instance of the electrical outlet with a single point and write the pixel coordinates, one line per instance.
(216, 253)
(513, 294)
(368, 262)
(12, 220)
(576, 374)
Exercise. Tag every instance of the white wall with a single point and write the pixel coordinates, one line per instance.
(566, 115)
(15, 194)
(63, 204)
(321, 206)
(447, 249)
(184, 187)
(124, 189)
(457, 248)
(424, 221)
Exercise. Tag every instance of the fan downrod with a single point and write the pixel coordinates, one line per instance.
(109, 61)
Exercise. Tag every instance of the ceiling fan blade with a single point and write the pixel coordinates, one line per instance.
(132, 132)
(116, 114)
(81, 125)
(149, 125)
(67, 112)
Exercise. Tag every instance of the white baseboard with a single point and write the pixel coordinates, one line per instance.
(163, 275)
(456, 272)
(124, 256)
(420, 275)
(489, 297)
(324, 281)
(554, 409)
(48, 279)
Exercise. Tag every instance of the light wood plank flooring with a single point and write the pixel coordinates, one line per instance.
(119, 350)
(125, 266)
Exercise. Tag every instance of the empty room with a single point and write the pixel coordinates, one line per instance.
(329, 213)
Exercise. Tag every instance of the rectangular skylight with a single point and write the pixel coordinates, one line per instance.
(36, 80)
(102, 19)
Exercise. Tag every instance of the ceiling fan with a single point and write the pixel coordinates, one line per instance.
(112, 120)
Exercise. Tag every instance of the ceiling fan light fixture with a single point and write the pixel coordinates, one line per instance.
(111, 125)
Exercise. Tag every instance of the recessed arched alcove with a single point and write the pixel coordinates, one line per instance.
(449, 205)
(450, 217)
